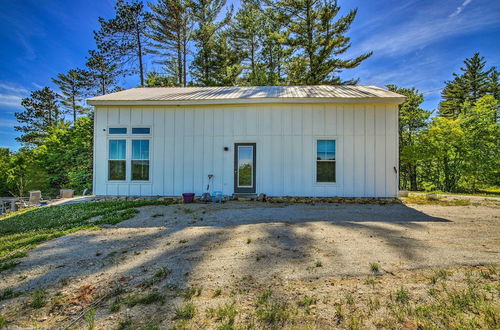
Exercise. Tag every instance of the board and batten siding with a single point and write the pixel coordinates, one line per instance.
(187, 144)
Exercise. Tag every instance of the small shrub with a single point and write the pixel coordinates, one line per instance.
(90, 318)
(264, 297)
(402, 296)
(185, 312)
(38, 298)
(194, 291)
(374, 267)
(8, 294)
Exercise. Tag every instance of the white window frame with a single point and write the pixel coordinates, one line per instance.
(118, 138)
(149, 157)
(315, 161)
(128, 153)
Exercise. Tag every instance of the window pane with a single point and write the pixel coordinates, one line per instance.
(140, 170)
(116, 149)
(140, 149)
(117, 130)
(245, 166)
(325, 171)
(141, 130)
(116, 170)
(325, 150)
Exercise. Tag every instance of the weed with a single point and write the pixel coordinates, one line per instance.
(8, 265)
(225, 313)
(194, 291)
(402, 296)
(349, 299)
(115, 305)
(318, 264)
(147, 299)
(38, 298)
(307, 302)
(159, 276)
(354, 322)
(264, 297)
(274, 313)
(90, 318)
(249, 240)
(340, 313)
(374, 267)
(156, 215)
(217, 293)
(185, 312)
(125, 324)
(373, 303)
(8, 294)
(371, 281)
(3, 322)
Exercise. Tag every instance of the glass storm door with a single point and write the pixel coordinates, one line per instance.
(244, 167)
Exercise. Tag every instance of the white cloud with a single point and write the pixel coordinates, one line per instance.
(13, 88)
(460, 8)
(429, 25)
(10, 100)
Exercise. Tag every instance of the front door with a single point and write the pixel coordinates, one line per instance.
(244, 167)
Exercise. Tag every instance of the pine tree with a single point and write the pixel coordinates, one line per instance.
(205, 13)
(170, 34)
(72, 85)
(102, 73)
(246, 33)
(317, 39)
(412, 120)
(226, 62)
(122, 37)
(470, 86)
(41, 112)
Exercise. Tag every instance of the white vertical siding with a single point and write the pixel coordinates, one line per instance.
(187, 144)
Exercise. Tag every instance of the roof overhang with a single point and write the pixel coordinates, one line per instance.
(392, 100)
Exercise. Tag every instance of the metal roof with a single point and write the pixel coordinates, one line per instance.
(247, 94)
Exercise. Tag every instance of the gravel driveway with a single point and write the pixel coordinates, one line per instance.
(218, 244)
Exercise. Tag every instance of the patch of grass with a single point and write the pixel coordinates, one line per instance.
(38, 298)
(264, 297)
(194, 291)
(187, 210)
(422, 200)
(25, 229)
(402, 296)
(8, 265)
(307, 302)
(90, 319)
(156, 215)
(8, 294)
(273, 313)
(217, 293)
(225, 314)
(370, 280)
(185, 312)
(374, 267)
(125, 324)
(249, 240)
(150, 298)
(318, 264)
(3, 322)
(159, 276)
(349, 299)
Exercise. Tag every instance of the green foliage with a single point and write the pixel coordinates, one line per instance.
(41, 112)
(72, 85)
(102, 73)
(24, 230)
(316, 38)
(121, 39)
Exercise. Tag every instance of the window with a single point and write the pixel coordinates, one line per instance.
(116, 162)
(325, 161)
(141, 130)
(117, 130)
(140, 160)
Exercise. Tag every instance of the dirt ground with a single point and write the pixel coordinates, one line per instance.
(215, 246)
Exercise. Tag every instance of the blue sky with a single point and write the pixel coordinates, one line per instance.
(415, 43)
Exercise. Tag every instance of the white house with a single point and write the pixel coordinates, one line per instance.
(280, 140)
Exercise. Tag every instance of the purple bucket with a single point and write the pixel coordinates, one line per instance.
(188, 197)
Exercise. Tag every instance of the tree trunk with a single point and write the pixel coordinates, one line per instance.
(139, 53)
(184, 62)
(180, 65)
